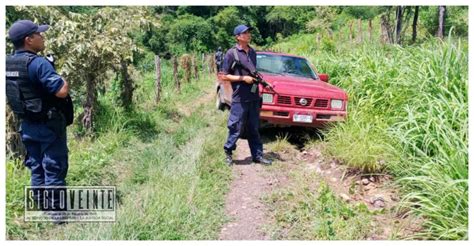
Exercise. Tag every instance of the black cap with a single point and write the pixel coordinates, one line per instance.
(22, 28)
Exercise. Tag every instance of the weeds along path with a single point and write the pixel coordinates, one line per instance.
(307, 195)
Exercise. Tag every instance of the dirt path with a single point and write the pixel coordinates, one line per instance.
(243, 203)
(188, 107)
(252, 217)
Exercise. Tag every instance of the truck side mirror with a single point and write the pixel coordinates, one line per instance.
(324, 77)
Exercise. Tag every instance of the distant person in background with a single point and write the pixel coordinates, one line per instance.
(219, 59)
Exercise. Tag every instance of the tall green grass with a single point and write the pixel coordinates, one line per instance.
(408, 115)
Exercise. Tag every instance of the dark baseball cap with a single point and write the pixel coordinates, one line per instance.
(241, 28)
(22, 28)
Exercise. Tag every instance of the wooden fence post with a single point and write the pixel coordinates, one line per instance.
(370, 29)
(186, 65)
(175, 74)
(206, 61)
(195, 67)
(212, 63)
(158, 79)
(203, 59)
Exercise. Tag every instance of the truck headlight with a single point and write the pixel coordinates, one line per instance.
(267, 98)
(336, 104)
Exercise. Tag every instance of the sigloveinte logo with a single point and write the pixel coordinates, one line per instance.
(70, 203)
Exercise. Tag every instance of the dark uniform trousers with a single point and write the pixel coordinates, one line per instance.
(245, 114)
(47, 158)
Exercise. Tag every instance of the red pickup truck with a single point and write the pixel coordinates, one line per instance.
(300, 96)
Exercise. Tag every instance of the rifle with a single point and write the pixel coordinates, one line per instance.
(253, 73)
(64, 104)
(259, 80)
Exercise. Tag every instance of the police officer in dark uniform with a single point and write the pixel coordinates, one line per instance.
(245, 108)
(219, 58)
(37, 95)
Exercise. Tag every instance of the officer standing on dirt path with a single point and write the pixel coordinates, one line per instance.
(245, 108)
(38, 95)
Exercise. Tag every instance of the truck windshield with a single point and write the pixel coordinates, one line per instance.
(285, 65)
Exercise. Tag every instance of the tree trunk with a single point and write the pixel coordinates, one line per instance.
(406, 17)
(126, 94)
(14, 146)
(398, 29)
(175, 74)
(415, 22)
(386, 35)
(441, 21)
(89, 105)
(158, 79)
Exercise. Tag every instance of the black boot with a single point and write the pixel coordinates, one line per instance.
(262, 160)
(228, 158)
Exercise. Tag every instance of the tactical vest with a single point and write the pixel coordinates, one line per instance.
(26, 99)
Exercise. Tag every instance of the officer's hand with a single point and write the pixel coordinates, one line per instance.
(222, 77)
(248, 79)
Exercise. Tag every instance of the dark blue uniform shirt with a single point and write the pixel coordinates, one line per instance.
(241, 90)
(41, 71)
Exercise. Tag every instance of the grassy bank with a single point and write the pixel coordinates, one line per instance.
(407, 116)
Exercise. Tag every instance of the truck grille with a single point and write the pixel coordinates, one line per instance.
(309, 101)
(321, 103)
(284, 100)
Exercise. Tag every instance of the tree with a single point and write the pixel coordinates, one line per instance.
(225, 21)
(288, 20)
(323, 19)
(415, 22)
(189, 33)
(441, 21)
(227, 18)
(387, 28)
(395, 33)
(398, 28)
(362, 12)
